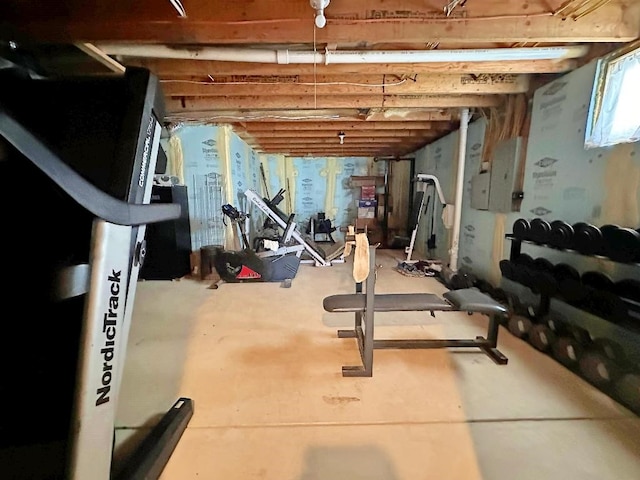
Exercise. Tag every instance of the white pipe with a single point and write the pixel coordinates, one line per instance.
(285, 56)
(457, 212)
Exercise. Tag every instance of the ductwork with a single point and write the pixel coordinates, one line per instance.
(285, 56)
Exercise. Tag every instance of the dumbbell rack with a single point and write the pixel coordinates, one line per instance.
(626, 334)
(545, 300)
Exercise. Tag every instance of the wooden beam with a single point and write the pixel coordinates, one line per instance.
(289, 127)
(333, 133)
(334, 141)
(171, 69)
(291, 21)
(387, 115)
(351, 85)
(195, 104)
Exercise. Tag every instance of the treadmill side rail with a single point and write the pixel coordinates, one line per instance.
(101, 347)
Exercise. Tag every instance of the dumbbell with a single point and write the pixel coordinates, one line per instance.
(522, 269)
(627, 389)
(628, 288)
(542, 337)
(612, 349)
(598, 368)
(569, 348)
(587, 239)
(601, 298)
(543, 279)
(519, 326)
(621, 244)
(522, 229)
(569, 283)
(507, 269)
(540, 230)
(561, 235)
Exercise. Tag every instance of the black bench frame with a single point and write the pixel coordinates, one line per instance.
(364, 316)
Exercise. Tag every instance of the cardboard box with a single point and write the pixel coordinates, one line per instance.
(367, 212)
(368, 192)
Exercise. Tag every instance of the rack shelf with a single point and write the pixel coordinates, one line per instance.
(512, 237)
(633, 308)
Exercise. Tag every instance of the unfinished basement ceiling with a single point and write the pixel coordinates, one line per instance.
(383, 108)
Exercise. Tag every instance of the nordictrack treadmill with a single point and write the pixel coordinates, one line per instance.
(77, 156)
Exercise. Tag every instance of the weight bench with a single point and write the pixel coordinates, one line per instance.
(365, 304)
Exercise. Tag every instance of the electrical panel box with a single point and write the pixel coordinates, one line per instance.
(504, 170)
(480, 191)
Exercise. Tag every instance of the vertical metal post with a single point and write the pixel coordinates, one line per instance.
(457, 212)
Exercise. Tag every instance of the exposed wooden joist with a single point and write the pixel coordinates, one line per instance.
(351, 85)
(259, 127)
(300, 116)
(169, 68)
(291, 21)
(195, 104)
(260, 134)
(334, 141)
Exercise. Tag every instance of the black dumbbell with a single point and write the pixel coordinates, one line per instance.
(561, 235)
(544, 281)
(542, 337)
(621, 244)
(506, 268)
(569, 283)
(540, 230)
(612, 350)
(523, 270)
(568, 351)
(628, 288)
(627, 389)
(522, 229)
(599, 369)
(587, 239)
(601, 299)
(519, 326)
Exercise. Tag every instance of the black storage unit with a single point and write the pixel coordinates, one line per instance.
(168, 244)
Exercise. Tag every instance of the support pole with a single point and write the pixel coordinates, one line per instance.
(457, 212)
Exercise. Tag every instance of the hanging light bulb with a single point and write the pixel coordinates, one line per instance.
(341, 136)
(319, 6)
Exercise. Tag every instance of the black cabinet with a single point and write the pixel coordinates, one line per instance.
(168, 243)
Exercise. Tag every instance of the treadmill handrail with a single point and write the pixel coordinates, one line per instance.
(96, 201)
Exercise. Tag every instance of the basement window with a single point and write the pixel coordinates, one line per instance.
(614, 114)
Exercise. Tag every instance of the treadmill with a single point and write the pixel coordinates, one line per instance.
(77, 156)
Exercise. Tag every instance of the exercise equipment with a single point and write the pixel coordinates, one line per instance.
(540, 230)
(628, 289)
(522, 229)
(621, 244)
(561, 235)
(423, 181)
(365, 303)
(568, 351)
(542, 337)
(519, 326)
(267, 207)
(598, 369)
(627, 389)
(587, 239)
(569, 283)
(88, 176)
(246, 265)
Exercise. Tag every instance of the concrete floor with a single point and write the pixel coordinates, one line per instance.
(263, 366)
